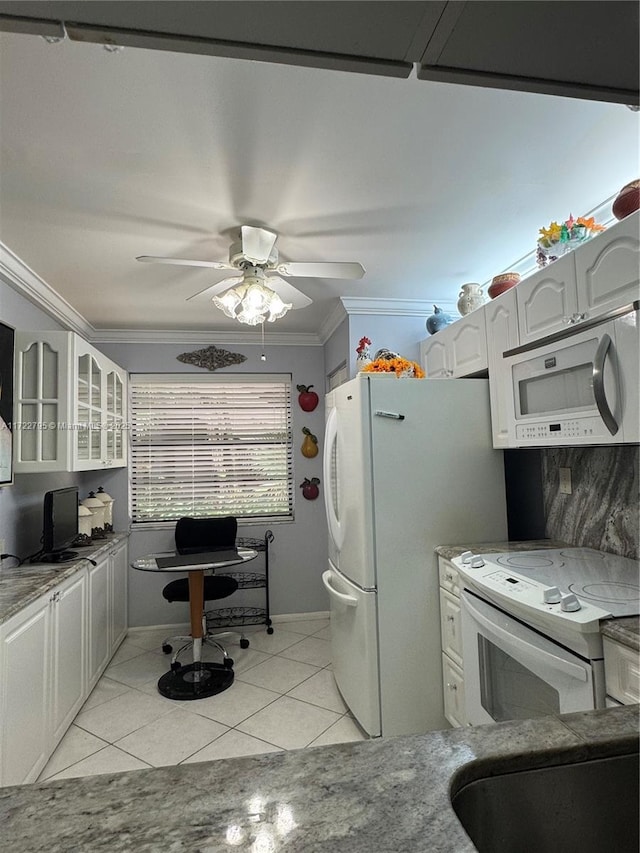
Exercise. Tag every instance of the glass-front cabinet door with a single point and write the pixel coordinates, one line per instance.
(69, 405)
(40, 401)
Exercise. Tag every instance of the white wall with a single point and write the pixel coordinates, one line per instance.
(298, 554)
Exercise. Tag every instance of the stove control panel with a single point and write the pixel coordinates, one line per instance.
(522, 595)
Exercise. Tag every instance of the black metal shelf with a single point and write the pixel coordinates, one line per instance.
(223, 617)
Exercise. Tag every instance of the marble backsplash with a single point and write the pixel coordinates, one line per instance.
(603, 510)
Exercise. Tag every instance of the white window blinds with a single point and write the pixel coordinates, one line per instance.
(208, 445)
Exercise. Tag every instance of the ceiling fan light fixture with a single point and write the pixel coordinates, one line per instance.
(252, 302)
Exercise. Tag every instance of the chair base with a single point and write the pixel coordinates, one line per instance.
(195, 681)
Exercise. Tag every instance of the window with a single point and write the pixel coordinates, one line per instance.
(209, 445)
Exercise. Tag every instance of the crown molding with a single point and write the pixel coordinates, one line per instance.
(395, 307)
(178, 336)
(332, 322)
(34, 288)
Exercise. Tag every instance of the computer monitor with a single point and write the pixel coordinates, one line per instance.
(60, 525)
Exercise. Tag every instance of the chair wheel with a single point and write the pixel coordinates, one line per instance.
(244, 643)
(167, 649)
(269, 630)
(228, 663)
(176, 666)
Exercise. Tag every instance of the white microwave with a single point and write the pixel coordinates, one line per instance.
(578, 386)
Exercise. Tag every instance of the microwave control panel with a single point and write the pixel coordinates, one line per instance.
(587, 427)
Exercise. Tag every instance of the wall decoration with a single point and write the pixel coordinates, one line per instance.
(310, 489)
(7, 335)
(310, 444)
(307, 398)
(211, 358)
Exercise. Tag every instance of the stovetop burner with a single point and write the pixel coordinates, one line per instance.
(603, 579)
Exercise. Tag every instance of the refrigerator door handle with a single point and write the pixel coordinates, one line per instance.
(395, 415)
(331, 436)
(349, 600)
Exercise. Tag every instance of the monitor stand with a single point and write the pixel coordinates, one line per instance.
(59, 557)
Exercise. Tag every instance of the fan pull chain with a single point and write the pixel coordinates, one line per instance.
(263, 357)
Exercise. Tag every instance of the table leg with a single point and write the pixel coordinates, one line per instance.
(196, 606)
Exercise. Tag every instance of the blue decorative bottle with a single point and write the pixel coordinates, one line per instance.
(438, 320)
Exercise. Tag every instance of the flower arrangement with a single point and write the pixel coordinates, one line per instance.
(399, 366)
(560, 238)
(363, 345)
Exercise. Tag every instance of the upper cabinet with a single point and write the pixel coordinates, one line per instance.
(601, 275)
(69, 405)
(457, 350)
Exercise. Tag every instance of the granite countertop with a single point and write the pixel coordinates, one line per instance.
(383, 795)
(20, 585)
(451, 551)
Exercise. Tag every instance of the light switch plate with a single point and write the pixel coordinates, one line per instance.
(565, 481)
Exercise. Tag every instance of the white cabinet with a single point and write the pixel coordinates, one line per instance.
(70, 402)
(43, 678)
(51, 655)
(501, 320)
(547, 300)
(24, 698)
(68, 652)
(99, 645)
(451, 634)
(599, 276)
(457, 350)
(107, 595)
(621, 672)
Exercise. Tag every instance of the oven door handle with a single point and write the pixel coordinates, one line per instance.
(574, 670)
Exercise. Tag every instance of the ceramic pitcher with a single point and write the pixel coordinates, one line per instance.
(471, 297)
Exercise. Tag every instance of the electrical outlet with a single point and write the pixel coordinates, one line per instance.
(565, 481)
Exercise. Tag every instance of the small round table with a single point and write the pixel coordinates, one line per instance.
(201, 678)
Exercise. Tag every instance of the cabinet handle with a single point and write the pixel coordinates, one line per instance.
(449, 576)
(452, 687)
(450, 618)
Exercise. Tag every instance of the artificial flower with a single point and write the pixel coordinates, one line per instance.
(395, 365)
(590, 223)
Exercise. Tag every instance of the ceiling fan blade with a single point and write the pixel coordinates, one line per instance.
(257, 243)
(287, 292)
(214, 289)
(185, 262)
(321, 270)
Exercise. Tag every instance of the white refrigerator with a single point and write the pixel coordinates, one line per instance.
(408, 465)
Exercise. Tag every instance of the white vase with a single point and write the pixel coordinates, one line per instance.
(470, 298)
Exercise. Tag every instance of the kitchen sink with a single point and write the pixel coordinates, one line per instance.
(585, 807)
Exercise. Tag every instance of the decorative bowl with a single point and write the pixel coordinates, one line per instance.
(627, 201)
(501, 283)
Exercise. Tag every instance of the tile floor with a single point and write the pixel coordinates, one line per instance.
(283, 697)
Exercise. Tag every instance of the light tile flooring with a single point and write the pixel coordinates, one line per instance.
(283, 697)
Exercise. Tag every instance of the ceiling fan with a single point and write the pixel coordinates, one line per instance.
(259, 293)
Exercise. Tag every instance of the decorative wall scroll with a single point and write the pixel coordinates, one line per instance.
(211, 358)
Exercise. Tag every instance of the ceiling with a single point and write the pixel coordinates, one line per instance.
(106, 156)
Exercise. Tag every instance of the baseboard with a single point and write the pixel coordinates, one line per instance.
(170, 630)
(300, 617)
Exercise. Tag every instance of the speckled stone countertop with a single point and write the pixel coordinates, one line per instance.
(377, 796)
(20, 585)
(625, 631)
(451, 551)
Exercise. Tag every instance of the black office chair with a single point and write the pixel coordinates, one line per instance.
(194, 536)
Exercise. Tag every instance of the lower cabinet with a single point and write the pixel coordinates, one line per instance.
(450, 631)
(51, 655)
(621, 672)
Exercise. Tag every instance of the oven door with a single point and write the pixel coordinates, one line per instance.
(513, 673)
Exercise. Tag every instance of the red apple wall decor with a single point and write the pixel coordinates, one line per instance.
(307, 398)
(310, 489)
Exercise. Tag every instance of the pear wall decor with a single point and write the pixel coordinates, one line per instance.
(310, 444)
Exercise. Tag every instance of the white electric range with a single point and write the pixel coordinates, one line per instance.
(531, 628)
